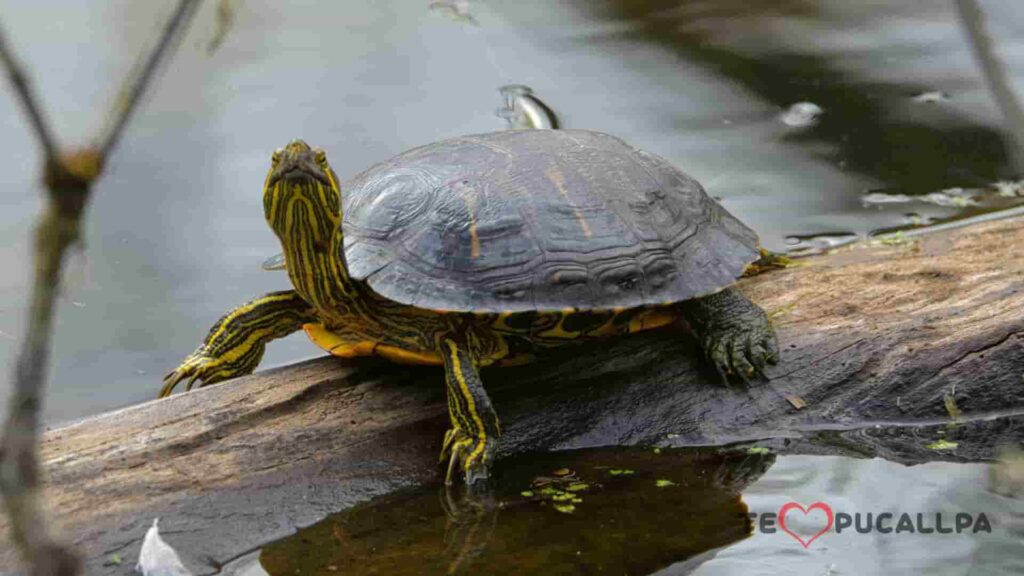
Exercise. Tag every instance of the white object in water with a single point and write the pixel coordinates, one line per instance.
(875, 198)
(950, 197)
(457, 10)
(523, 110)
(802, 115)
(930, 97)
(157, 558)
(1009, 189)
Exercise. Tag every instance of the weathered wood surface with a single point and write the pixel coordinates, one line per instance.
(873, 339)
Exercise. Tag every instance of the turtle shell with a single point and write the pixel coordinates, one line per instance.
(538, 220)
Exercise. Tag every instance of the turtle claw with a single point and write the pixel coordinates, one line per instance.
(736, 335)
(472, 455)
(196, 368)
(739, 355)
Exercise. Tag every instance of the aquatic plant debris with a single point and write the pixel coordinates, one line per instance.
(801, 115)
(915, 219)
(782, 310)
(873, 198)
(951, 197)
(457, 10)
(941, 444)
(949, 400)
(1009, 188)
(896, 239)
(621, 472)
(930, 97)
(157, 558)
(758, 450)
(663, 483)
(948, 198)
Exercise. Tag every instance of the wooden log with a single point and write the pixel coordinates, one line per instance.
(876, 341)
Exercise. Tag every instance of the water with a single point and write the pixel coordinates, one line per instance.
(175, 235)
(703, 512)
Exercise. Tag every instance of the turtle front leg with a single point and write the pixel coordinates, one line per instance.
(236, 342)
(736, 334)
(471, 442)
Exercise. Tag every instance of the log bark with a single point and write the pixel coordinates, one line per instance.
(875, 339)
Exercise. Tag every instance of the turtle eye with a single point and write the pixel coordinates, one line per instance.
(276, 156)
(321, 156)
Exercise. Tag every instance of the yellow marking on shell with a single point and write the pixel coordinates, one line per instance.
(470, 403)
(652, 319)
(500, 323)
(474, 239)
(557, 331)
(559, 182)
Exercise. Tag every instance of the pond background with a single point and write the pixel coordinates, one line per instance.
(175, 236)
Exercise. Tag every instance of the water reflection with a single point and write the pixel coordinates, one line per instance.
(612, 511)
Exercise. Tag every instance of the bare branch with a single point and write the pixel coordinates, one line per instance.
(142, 74)
(995, 76)
(24, 92)
(68, 179)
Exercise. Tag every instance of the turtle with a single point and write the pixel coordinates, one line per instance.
(488, 249)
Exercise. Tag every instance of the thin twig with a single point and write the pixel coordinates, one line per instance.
(68, 179)
(995, 76)
(140, 77)
(21, 86)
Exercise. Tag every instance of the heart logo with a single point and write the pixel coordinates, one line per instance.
(817, 505)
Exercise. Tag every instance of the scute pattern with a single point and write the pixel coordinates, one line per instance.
(541, 220)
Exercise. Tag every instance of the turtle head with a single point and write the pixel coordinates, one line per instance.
(301, 199)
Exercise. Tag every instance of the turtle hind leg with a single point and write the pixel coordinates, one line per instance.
(736, 334)
(235, 344)
(470, 444)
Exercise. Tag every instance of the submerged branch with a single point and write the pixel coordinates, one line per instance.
(68, 178)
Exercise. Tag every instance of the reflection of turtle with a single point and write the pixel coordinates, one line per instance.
(483, 249)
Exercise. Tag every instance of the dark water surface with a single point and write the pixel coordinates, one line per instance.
(675, 511)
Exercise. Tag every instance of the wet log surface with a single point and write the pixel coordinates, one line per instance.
(874, 339)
